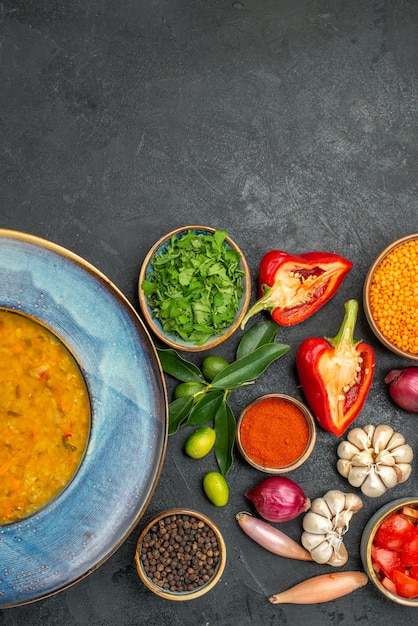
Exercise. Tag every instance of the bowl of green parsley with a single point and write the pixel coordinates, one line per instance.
(194, 288)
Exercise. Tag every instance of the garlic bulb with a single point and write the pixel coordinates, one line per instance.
(374, 458)
(325, 524)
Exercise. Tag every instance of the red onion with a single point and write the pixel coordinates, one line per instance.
(278, 499)
(403, 388)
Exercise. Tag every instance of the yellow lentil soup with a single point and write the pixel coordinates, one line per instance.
(44, 416)
(393, 296)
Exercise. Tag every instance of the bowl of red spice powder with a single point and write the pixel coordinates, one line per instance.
(276, 433)
(391, 297)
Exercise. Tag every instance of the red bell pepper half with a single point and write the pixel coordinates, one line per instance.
(293, 287)
(336, 374)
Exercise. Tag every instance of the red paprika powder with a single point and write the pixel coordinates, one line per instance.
(274, 432)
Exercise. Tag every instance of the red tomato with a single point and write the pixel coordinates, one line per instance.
(393, 532)
(386, 560)
(409, 554)
(414, 572)
(406, 586)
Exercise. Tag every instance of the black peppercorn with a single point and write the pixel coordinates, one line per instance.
(180, 553)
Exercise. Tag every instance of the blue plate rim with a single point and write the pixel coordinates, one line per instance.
(147, 419)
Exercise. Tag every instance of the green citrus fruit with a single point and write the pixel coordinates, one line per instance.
(200, 442)
(186, 390)
(212, 365)
(216, 488)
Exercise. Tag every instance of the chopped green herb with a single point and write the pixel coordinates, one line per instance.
(195, 285)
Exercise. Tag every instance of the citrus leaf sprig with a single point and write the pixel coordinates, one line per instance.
(257, 349)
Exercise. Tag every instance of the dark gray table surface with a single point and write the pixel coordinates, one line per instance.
(292, 124)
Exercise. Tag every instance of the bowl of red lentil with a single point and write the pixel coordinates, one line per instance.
(180, 554)
(276, 433)
(390, 297)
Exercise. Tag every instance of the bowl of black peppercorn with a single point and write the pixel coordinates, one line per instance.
(180, 554)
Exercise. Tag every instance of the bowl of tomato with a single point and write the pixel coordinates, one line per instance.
(389, 550)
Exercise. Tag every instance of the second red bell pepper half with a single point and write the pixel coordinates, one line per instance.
(293, 287)
(336, 374)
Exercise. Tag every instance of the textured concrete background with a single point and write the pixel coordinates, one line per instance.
(290, 123)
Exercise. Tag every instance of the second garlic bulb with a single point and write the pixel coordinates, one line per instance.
(325, 524)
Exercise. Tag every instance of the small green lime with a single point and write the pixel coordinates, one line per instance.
(200, 442)
(186, 390)
(212, 365)
(216, 488)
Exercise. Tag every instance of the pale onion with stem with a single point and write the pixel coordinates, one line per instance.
(322, 588)
(271, 538)
(374, 458)
(325, 525)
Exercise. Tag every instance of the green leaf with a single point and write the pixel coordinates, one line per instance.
(219, 237)
(173, 364)
(205, 409)
(148, 287)
(259, 334)
(248, 367)
(185, 276)
(224, 426)
(178, 411)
